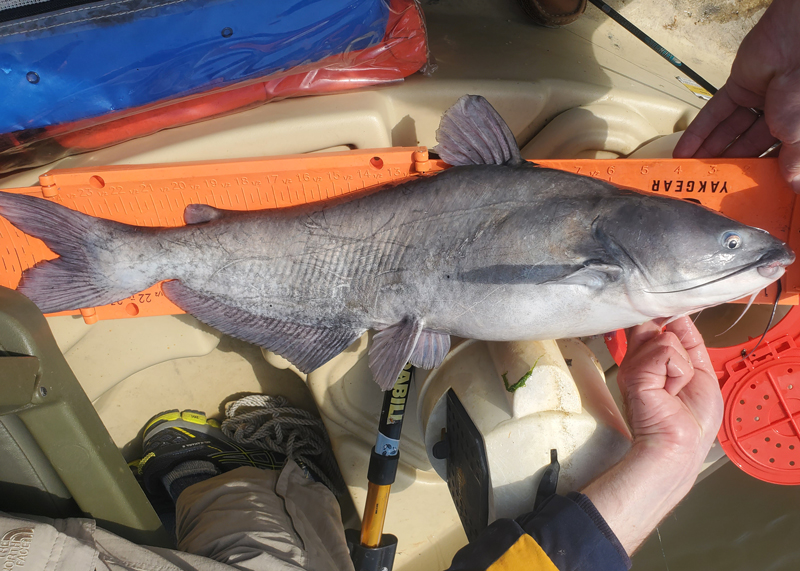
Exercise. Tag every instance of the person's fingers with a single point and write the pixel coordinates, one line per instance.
(726, 133)
(691, 340)
(640, 334)
(718, 108)
(702, 395)
(688, 144)
(753, 142)
(657, 362)
(782, 111)
(789, 161)
(680, 371)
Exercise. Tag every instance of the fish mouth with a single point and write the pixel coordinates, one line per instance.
(769, 265)
(775, 261)
(773, 268)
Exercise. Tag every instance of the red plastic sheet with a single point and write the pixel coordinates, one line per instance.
(403, 51)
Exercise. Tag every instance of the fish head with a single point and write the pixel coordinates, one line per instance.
(680, 257)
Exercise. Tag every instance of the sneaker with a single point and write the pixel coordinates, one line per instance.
(553, 13)
(174, 437)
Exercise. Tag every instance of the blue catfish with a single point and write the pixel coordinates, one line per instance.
(495, 248)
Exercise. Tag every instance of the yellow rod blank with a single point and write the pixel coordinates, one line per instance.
(374, 514)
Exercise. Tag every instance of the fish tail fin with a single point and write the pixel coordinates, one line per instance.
(79, 278)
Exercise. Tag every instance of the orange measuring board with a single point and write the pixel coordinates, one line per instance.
(748, 190)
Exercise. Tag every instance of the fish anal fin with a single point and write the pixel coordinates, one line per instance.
(391, 349)
(473, 133)
(305, 346)
(201, 213)
(431, 349)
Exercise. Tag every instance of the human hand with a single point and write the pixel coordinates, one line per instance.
(674, 407)
(671, 392)
(765, 76)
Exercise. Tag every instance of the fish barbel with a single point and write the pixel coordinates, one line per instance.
(494, 248)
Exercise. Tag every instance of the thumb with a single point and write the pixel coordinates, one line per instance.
(789, 160)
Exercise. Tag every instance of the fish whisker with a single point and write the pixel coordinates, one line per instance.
(749, 303)
(736, 272)
(769, 323)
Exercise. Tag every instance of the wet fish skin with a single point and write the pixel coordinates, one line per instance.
(491, 251)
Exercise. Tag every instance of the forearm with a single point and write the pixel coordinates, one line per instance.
(640, 491)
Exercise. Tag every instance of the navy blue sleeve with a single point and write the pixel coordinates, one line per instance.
(574, 534)
(569, 530)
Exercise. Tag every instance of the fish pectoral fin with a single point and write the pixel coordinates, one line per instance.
(431, 349)
(306, 346)
(592, 275)
(201, 213)
(392, 348)
(473, 133)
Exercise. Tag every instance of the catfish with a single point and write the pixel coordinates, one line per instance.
(494, 248)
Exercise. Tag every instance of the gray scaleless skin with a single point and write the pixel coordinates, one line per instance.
(494, 248)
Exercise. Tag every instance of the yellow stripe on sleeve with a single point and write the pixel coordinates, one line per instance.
(524, 554)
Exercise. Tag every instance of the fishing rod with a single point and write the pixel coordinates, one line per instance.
(370, 548)
(653, 45)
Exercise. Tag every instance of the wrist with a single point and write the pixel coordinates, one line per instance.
(677, 458)
(641, 490)
(667, 467)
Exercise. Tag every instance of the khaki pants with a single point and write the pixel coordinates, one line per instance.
(258, 520)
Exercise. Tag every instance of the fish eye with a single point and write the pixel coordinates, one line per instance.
(731, 240)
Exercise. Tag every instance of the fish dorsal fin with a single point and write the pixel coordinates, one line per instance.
(306, 347)
(473, 133)
(201, 213)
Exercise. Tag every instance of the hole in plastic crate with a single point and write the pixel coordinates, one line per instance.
(777, 445)
(791, 446)
(739, 419)
(755, 450)
(97, 182)
(772, 459)
(791, 387)
(791, 370)
(132, 309)
(791, 463)
(376, 162)
(766, 397)
(766, 439)
(741, 402)
(758, 407)
(752, 386)
(758, 418)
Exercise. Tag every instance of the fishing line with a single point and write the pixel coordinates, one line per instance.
(660, 543)
(694, 321)
(769, 324)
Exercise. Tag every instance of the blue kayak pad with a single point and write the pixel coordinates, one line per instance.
(89, 60)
